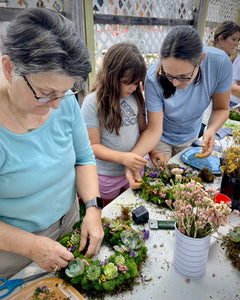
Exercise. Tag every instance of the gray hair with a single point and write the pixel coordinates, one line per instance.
(42, 40)
(183, 43)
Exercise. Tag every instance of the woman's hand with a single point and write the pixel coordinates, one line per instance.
(134, 179)
(133, 161)
(208, 142)
(91, 231)
(49, 255)
(156, 156)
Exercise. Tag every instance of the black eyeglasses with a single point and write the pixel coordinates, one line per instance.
(46, 99)
(178, 78)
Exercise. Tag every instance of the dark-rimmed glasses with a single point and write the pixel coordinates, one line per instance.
(178, 78)
(46, 99)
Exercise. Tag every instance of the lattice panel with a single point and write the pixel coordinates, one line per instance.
(218, 12)
(145, 8)
(56, 4)
(147, 38)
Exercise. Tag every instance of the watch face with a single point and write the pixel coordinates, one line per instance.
(99, 202)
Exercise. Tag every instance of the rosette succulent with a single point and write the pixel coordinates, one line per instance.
(234, 235)
(131, 240)
(115, 226)
(75, 268)
(110, 271)
(75, 239)
(93, 272)
(119, 260)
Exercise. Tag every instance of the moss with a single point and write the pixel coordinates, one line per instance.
(206, 175)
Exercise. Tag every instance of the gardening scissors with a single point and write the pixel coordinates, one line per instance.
(11, 284)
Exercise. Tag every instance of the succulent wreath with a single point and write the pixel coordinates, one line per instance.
(115, 273)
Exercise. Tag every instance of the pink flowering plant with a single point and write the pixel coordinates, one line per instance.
(195, 210)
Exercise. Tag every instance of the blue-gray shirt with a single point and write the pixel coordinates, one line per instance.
(184, 110)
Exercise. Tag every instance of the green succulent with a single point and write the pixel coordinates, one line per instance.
(116, 226)
(119, 260)
(75, 239)
(75, 267)
(110, 271)
(130, 239)
(93, 272)
(234, 235)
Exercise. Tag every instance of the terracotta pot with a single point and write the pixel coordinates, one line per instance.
(230, 186)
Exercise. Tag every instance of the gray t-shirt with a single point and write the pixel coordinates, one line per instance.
(129, 131)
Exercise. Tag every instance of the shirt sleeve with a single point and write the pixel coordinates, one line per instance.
(81, 143)
(225, 76)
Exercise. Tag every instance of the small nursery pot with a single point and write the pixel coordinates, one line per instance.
(230, 186)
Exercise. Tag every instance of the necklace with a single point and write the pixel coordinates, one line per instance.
(16, 117)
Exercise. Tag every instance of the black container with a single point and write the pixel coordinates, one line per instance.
(140, 215)
(230, 186)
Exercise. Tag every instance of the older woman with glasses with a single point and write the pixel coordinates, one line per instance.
(178, 89)
(45, 154)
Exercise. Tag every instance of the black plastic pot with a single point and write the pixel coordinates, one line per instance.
(230, 186)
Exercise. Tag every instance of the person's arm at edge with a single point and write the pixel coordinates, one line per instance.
(235, 90)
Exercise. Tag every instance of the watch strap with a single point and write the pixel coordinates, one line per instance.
(95, 202)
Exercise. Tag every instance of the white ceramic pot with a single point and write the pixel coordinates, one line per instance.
(190, 255)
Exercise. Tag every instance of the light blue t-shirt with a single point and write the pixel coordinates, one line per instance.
(236, 77)
(183, 111)
(129, 131)
(37, 174)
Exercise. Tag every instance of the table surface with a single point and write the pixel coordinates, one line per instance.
(158, 279)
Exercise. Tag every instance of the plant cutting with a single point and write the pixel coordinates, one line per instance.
(230, 169)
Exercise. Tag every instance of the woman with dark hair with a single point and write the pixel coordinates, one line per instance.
(226, 38)
(45, 153)
(178, 88)
(114, 113)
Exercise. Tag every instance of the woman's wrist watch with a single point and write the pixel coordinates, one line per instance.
(95, 202)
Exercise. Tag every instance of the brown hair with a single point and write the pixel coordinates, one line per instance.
(225, 29)
(124, 63)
